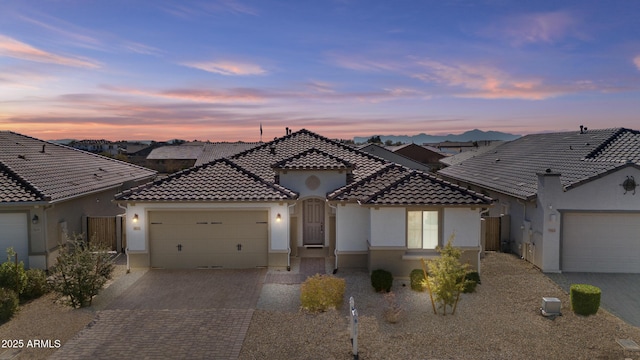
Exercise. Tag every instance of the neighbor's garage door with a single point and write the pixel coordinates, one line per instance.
(190, 239)
(601, 242)
(14, 233)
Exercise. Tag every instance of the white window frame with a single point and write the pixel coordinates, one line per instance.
(437, 232)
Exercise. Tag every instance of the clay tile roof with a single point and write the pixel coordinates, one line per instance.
(397, 185)
(313, 159)
(219, 150)
(259, 159)
(511, 168)
(176, 152)
(54, 172)
(14, 190)
(220, 180)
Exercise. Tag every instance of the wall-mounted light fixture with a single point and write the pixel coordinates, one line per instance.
(35, 219)
(135, 218)
(278, 217)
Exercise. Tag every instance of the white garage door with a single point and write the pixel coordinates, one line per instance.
(14, 233)
(601, 242)
(205, 239)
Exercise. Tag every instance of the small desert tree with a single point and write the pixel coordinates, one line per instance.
(12, 273)
(447, 277)
(81, 271)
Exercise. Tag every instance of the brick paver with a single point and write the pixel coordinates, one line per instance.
(161, 334)
(169, 314)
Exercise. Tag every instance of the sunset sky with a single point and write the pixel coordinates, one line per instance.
(216, 70)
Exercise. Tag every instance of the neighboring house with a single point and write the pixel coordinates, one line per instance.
(268, 203)
(48, 189)
(96, 146)
(468, 154)
(422, 154)
(572, 197)
(397, 158)
(172, 158)
(219, 150)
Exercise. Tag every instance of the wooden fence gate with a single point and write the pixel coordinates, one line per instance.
(492, 233)
(107, 231)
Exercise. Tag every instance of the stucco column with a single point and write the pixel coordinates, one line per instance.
(549, 193)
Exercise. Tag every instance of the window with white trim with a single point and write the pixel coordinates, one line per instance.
(423, 229)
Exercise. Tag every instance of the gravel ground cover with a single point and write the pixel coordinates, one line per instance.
(501, 320)
(47, 318)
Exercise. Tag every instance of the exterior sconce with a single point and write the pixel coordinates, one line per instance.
(135, 218)
(35, 219)
(278, 218)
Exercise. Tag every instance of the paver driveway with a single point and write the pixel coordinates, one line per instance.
(620, 292)
(168, 314)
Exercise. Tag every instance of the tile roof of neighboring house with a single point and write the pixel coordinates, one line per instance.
(220, 180)
(215, 151)
(313, 159)
(511, 168)
(398, 185)
(259, 159)
(52, 172)
(468, 154)
(177, 152)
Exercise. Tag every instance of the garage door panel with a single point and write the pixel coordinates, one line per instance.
(208, 239)
(601, 242)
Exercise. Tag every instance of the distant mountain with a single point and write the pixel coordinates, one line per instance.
(472, 135)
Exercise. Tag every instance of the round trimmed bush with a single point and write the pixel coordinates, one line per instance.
(585, 299)
(417, 280)
(8, 304)
(381, 280)
(36, 285)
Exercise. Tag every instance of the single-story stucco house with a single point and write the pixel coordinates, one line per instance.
(571, 197)
(47, 190)
(266, 204)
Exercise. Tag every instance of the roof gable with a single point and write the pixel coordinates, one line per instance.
(259, 159)
(312, 159)
(511, 167)
(220, 180)
(397, 185)
(55, 172)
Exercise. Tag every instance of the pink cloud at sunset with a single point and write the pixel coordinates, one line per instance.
(216, 70)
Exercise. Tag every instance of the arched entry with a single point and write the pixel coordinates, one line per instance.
(313, 222)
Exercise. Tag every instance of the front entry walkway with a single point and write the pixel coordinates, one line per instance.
(620, 292)
(169, 314)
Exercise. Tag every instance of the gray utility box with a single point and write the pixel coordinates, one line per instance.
(550, 306)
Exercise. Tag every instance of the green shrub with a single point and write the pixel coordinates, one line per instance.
(36, 285)
(471, 280)
(417, 280)
(81, 271)
(322, 292)
(13, 276)
(585, 299)
(8, 304)
(381, 280)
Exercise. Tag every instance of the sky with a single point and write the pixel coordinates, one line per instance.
(219, 70)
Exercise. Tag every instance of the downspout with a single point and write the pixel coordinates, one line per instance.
(335, 251)
(289, 233)
(126, 250)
